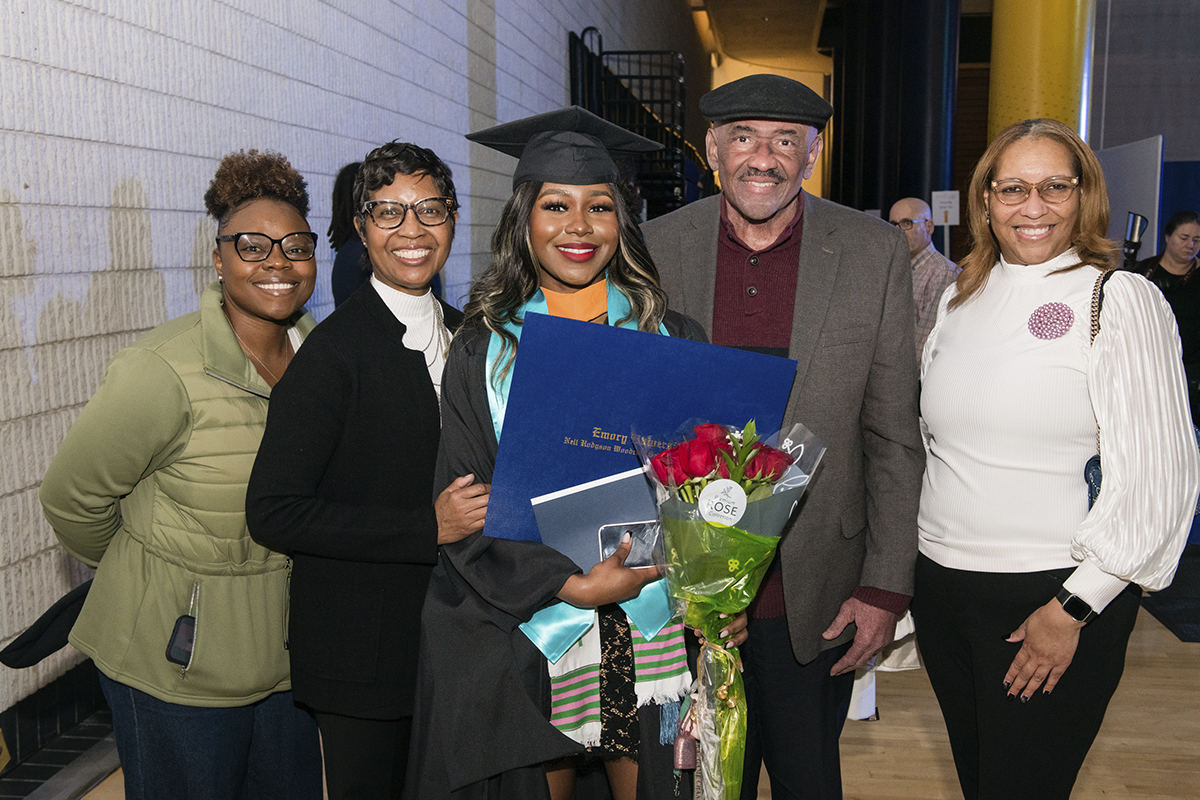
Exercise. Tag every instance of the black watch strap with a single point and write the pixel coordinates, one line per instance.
(1076, 606)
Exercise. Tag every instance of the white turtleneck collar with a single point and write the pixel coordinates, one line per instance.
(1022, 272)
(405, 307)
(424, 328)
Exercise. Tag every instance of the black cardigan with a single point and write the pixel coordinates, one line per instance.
(342, 483)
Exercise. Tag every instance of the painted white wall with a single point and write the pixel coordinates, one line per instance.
(114, 116)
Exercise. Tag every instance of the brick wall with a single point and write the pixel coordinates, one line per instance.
(114, 116)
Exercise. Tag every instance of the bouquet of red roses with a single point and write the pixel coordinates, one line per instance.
(724, 497)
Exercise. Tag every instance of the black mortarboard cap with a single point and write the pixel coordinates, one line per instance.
(571, 146)
(766, 97)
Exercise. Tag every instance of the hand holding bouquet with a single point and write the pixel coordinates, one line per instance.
(724, 497)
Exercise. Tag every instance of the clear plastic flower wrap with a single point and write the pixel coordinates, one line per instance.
(724, 496)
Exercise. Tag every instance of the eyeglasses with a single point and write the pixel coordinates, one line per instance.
(390, 214)
(906, 224)
(1014, 191)
(252, 247)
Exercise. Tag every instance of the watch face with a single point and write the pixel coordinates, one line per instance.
(1077, 608)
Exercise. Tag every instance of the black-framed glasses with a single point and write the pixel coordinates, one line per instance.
(1014, 191)
(252, 247)
(390, 214)
(905, 224)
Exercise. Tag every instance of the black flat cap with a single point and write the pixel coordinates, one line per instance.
(766, 97)
(571, 146)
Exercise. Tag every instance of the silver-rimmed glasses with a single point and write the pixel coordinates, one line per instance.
(390, 214)
(252, 247)
(1014, 191)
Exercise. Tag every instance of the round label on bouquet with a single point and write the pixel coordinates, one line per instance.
(722, 501)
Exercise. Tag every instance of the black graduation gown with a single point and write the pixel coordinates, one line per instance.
(481, 725)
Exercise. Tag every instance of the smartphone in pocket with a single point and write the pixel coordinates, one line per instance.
(179, 648)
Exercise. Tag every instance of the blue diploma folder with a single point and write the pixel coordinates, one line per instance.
(579, 389)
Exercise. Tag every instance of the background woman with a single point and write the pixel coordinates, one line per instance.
(1173, 271)
(344, 477)
(565, 245)
(349, 269)
(185, 619)
(1024, 599)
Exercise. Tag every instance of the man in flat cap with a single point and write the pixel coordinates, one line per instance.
(765, 266)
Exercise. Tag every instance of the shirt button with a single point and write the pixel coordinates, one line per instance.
(753, 292)
(754, 261)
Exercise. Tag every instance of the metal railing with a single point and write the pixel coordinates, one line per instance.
(643, 92)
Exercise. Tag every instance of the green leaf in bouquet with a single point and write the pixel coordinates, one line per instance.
(761, 492)
(736, 469)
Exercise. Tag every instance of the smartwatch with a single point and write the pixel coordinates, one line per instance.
(1075, 606)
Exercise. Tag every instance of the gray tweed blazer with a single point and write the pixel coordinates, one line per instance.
(856, 388)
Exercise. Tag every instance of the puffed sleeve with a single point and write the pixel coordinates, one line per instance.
(1139, 525)
(138, 421)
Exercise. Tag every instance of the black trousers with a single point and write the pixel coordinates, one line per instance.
(365, 759)
(1004, 748)
(794, 716)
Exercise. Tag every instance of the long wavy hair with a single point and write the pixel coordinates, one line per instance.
(514, 275)
(1091, 223)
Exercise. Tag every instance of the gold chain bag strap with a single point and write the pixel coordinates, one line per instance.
(1091, 470)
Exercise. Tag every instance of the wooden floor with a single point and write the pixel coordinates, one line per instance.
(1149, 747)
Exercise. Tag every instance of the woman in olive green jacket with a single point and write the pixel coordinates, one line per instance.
(186, 619)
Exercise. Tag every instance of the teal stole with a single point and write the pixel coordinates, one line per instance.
(555, 628)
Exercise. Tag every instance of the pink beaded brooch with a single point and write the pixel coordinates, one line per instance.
(1051, 321)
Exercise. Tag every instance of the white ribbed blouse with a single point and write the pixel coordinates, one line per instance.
(1010, 419)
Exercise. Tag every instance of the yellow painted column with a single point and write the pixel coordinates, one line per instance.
(1041, 62)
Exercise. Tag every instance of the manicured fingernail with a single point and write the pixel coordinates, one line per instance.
(724, 616)
(724, 634)
(1024, 699)
(729, 646)
(1007, 685)
(1010, 697)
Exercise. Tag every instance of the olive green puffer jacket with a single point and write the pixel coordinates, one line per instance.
(149, 486)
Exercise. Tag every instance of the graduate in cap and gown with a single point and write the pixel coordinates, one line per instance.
(566, 245)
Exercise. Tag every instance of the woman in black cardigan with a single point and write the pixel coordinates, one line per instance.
(344, 477)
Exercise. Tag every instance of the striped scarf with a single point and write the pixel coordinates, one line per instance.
(660, 676)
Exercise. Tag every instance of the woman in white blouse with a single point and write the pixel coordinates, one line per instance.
(1024, 598)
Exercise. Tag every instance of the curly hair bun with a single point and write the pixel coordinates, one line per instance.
(248, 175)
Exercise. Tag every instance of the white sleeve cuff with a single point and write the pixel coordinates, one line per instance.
(1094, 586)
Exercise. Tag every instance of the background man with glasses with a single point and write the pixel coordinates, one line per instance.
(931, 271)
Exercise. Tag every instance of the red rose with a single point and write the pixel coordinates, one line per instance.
(722, 467)
(710, 432)
(767, 464)
(699, 457)
(668, 468)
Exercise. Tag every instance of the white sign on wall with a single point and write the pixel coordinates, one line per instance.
(945, 208)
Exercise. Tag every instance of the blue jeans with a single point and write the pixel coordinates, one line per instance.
(264, 751)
